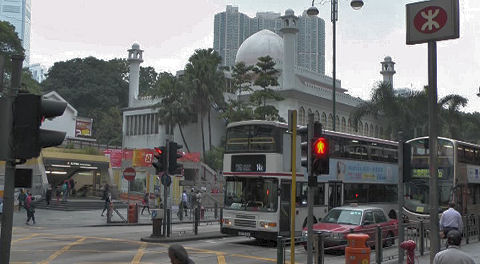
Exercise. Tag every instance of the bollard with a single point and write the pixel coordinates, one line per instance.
(221, 217)
(409, 246)
(280, 250)
(378, 245)
(357, 251)
(320, 248)
(196, 219)
(216, 210)
(157, 215)
(169, 222)
(422, 238)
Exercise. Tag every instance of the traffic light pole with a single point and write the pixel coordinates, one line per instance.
(165, 195)
(9, 185)
(310, 191)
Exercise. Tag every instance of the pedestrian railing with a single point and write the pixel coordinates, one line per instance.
(380, 239)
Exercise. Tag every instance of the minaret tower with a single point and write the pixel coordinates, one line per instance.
(388, 70)
(289, 30)
(134, 60)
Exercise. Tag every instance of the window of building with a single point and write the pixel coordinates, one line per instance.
(301, 114)
(344, 125)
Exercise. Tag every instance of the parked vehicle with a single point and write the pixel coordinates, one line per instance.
(343, 220)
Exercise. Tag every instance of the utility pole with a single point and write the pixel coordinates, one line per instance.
(9, 186)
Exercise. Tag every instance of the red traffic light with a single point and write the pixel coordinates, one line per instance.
(158, 151)
(320, 147)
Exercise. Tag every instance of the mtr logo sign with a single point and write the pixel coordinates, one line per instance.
(432, 20)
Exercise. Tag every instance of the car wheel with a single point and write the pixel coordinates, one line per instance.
(389, 240)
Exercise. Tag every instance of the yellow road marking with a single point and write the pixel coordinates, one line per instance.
(63, 250)
(139, 255)
(25, 238)
(221, 259)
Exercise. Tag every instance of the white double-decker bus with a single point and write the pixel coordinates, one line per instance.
(458, 177)
(257, 170)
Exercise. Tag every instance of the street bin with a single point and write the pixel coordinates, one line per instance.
(357, 251)
(157, 220)
(132, 213)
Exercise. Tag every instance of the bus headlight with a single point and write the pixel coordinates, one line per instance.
(304, 233)
(266, 224)
(226, 221)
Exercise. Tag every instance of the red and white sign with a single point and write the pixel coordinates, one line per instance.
(432, 20)
(129, 174)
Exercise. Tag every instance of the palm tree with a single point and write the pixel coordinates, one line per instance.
(174, 107)
(207, 81)
(450, 117)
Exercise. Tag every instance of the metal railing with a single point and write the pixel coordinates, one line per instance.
(380, 239)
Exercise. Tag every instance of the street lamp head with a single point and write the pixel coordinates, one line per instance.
(312, 11)
(356, 4)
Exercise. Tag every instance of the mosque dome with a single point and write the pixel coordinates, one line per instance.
(260, 44)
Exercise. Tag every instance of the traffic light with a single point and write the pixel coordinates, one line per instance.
(173, 155)
(161, 158)
(29, 111)
(320, 151)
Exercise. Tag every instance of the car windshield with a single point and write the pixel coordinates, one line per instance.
(343, 216)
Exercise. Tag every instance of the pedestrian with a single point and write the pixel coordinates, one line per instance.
(185, 201)
(178, 255)
(108, 199)
(146, 202)
(72, 186)
(106, 189)
(58, 193)
(65, 191)
(29, 208)
(451, 220)
(48, 194)
(453, 254)
(21, 199)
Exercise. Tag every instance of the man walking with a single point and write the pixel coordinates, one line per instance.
(451, 220)
(453, 254)
(29, 208)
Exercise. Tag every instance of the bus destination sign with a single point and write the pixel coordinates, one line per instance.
(248, 163)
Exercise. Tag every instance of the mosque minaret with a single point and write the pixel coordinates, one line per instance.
(134, 60)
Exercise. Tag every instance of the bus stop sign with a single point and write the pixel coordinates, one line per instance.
(432, 21)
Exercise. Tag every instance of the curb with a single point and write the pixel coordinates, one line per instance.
(144, 224)
(151, 239)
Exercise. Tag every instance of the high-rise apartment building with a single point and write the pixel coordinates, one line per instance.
(231, 28)
(18, 13)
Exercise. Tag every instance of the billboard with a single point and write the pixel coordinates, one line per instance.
(83, 127)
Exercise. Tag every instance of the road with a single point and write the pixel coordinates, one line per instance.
(121, 244)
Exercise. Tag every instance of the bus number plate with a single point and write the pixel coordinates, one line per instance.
(247, 234)
(248, 163)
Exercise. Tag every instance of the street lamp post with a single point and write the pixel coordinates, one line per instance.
(313, 11)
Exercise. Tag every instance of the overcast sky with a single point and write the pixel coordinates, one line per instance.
(170, 31)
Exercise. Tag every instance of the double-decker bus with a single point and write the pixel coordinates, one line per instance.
(257, 170)
(458, 177)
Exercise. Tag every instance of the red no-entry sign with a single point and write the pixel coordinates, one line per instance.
(129, 174)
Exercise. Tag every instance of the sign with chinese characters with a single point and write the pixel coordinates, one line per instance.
(432, 21)
(473, 174)
(248, 163)
(142, 157)
(364, 172)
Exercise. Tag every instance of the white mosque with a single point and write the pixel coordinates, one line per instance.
(303, 90)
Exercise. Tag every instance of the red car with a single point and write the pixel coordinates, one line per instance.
(343, 220)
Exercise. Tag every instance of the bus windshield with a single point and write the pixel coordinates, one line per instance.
(251, 194)
(254, 138)
(417, 183)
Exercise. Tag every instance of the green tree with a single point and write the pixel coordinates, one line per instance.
(266, 77)
(29, 84)
(174, 107)
(237, 109)
(107, 124)
(450, 116)
(10, 44)
(207, 86)
(148, 79)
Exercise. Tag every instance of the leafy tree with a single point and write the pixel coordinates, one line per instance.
(10, 43)
(107, 125)
(214, 158)
(236, 109)
(207, 85)
(174, 107)
(148, 79)
(266, 77)
(450, 116)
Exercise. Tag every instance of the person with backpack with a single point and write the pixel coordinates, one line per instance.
(30, 208)
(146, 202)
(108, 199)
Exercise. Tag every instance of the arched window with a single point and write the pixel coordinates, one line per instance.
(381, 133)
(366, 129)
(330, 121)
(371, 130)
(301, 116)
(344, 125)
(337, 123)
(317, 116)
(324, 120)
(309, 112)
(349, 126)
(360, 128)
(376, 131)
